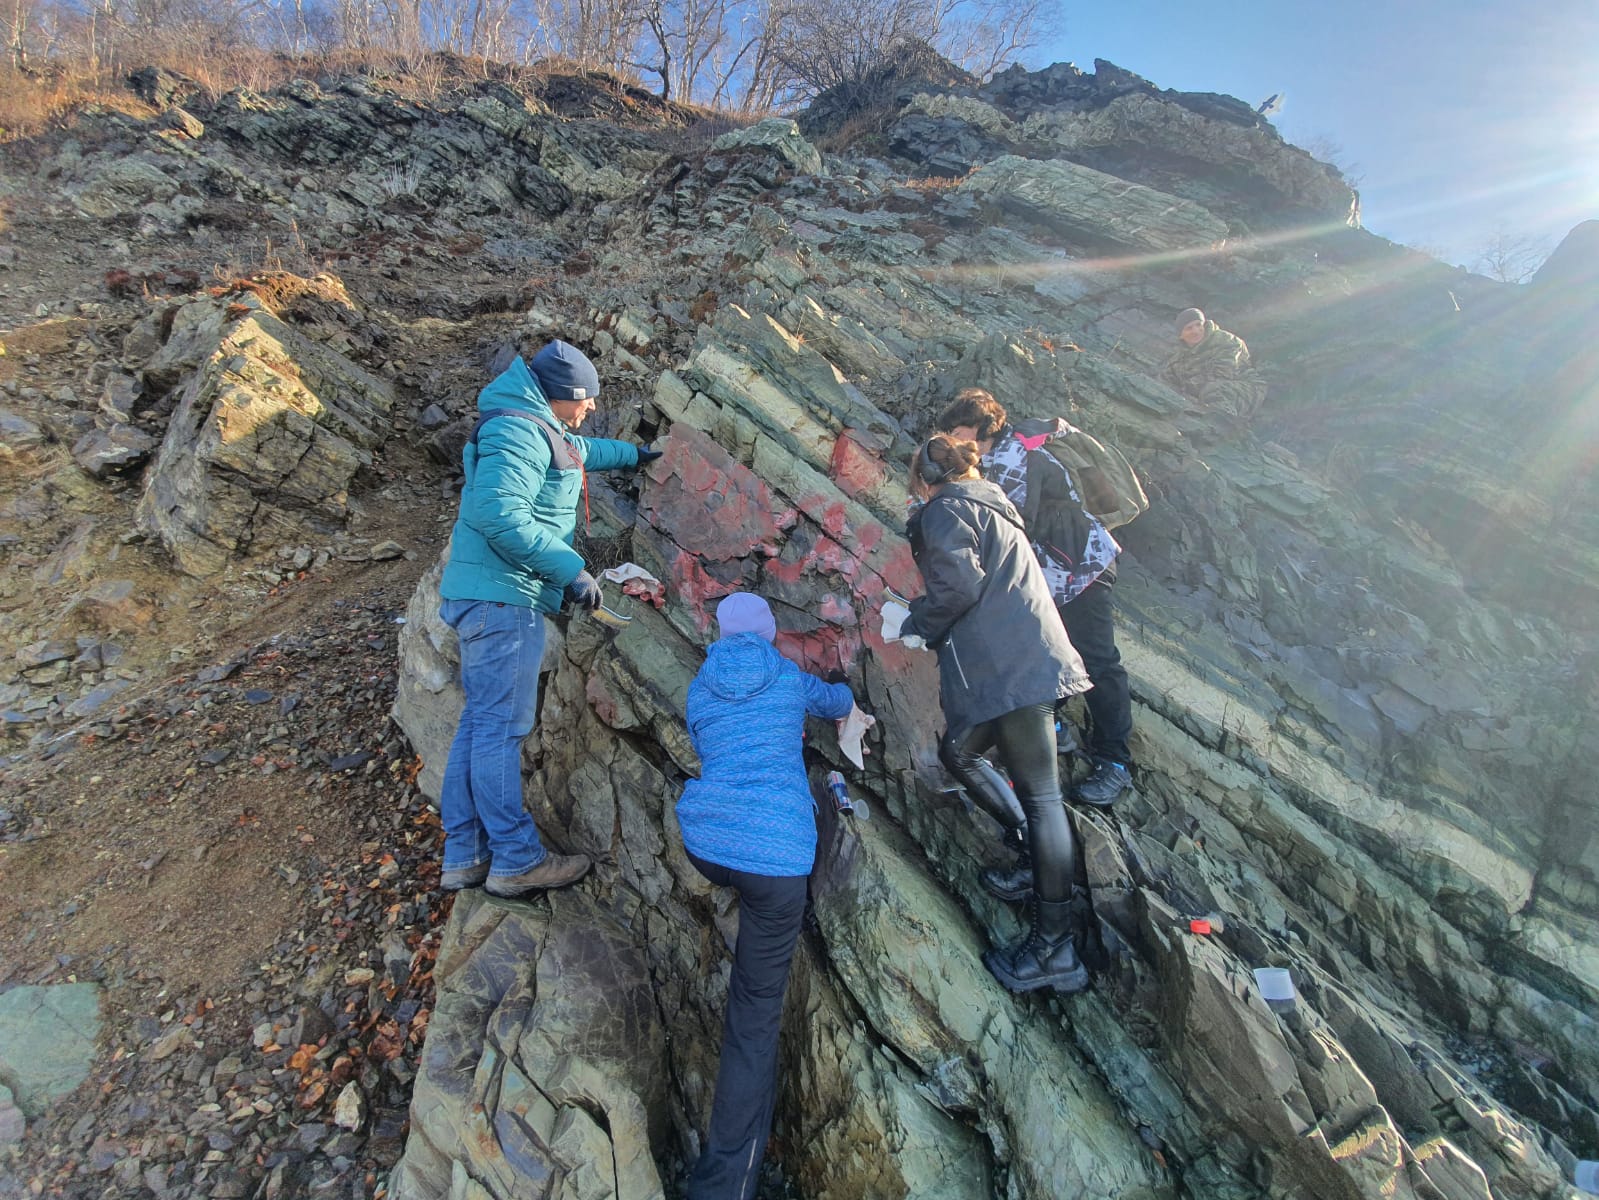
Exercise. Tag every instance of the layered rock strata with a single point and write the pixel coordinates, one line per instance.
(1322, 761)
(1359, 631)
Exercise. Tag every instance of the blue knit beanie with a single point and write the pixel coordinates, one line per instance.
(565, 373)
(745, 612)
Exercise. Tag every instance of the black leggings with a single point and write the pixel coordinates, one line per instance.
(1025, 740)
(770, 911)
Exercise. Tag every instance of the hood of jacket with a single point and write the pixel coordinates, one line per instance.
(983, 493)
(740, 666)
(518, 388)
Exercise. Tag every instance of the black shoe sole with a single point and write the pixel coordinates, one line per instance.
(1102, 805)
(1065, 982)
(1012, 895)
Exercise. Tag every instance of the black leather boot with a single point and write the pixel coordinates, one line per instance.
(1046, 957)
(1015, 882)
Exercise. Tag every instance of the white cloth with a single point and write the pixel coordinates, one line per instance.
(894, 616)
(628, 571)
(851, 732)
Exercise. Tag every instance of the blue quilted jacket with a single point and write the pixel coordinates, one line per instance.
(513, 540)
(751, 807)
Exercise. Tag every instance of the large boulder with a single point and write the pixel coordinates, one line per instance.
(47, 1042)
(1230, 168)
(1091, 209)
(544, 1073)
(269, 430)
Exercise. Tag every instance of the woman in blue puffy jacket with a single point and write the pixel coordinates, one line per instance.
(749, 823)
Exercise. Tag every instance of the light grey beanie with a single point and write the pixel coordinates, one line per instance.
(745, 612)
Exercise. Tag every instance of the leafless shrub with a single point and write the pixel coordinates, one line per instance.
(1511, 258)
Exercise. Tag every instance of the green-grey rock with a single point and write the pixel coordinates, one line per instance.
(47, 1041)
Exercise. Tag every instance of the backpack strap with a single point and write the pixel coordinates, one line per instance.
(563, 455)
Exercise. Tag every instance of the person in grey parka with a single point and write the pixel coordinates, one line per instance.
(1003, 661)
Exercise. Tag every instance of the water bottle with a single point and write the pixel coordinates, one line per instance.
(840, 793)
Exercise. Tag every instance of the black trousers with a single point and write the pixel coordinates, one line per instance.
(1091, 624)
(1025, 741)
(770, 911)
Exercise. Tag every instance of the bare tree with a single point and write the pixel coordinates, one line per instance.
(593, 33)
(690, 38)
(1325, 148)
(985, 37)
(16, 27)
(1510, 258)
(814, 45)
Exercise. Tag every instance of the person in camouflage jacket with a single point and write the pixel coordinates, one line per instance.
(1212, 366)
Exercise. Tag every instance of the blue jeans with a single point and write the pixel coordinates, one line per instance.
(480, 804)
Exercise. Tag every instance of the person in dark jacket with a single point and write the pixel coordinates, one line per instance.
(511, 563)
(1003, 661)
(1080, 577)
(1212, 366)
(748, 823)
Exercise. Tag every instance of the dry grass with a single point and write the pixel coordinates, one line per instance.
(33, 104)
(36, 101)
(866, 128)
(289, 255)
(940, 183)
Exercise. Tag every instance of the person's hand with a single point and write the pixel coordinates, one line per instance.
(584, 592)
(647, 453)
(913, 641)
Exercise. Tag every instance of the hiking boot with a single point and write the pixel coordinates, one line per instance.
(1109, 780)
(1011, 883)
(1046, 957)
(556, 871)
(461, 878)
(1066, 739)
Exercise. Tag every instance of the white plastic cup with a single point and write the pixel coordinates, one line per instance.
(1276, 986)
(1586, 1176)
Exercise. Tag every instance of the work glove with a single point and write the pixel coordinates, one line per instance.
(647, 453)
(584, 592)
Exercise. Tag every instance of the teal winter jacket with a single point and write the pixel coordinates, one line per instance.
(513, 539)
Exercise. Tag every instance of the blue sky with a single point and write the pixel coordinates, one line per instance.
(1463, 118)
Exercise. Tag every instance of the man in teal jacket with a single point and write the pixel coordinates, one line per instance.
(511, 563)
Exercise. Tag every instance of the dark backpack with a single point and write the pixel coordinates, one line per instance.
(1059, 457)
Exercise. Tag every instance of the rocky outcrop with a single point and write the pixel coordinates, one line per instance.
(1359, 630)
(1092, 209)
(569, 1099)
(1322, 761)
(318, 165)
(269, 429)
